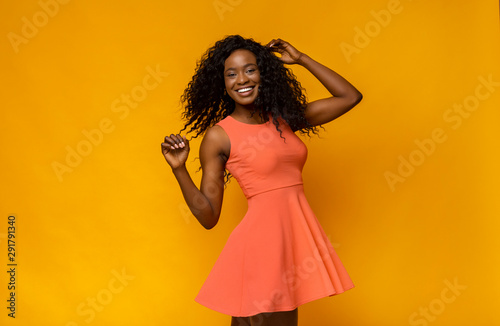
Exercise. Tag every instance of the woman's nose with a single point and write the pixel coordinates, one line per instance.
(242, 78)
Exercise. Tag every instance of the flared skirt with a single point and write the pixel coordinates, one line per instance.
(276, 259)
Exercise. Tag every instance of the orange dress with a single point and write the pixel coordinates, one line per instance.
(278, 257)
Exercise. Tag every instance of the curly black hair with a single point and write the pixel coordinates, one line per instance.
(280, 93)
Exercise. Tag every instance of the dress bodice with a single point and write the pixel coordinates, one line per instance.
(260, 159)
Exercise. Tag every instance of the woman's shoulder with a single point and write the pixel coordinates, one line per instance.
(216, 138)
(220, 129)
(215, 131)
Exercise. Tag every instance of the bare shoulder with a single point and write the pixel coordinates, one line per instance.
(216, 142)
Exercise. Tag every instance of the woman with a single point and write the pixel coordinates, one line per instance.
(249, 105)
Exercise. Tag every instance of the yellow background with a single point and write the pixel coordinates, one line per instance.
(120, 209)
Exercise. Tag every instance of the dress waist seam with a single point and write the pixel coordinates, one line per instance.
(276, 188)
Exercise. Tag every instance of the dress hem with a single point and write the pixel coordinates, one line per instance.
(226, 312)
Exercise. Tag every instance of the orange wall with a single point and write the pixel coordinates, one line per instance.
(405, 184)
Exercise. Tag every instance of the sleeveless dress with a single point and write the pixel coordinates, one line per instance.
(278, 257)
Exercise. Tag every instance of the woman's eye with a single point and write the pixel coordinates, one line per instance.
(251, 70)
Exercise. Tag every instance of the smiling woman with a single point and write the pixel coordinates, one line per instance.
(256, 279)
(242, 77)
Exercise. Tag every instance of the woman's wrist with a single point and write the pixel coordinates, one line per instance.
(179, 169)
(302, 60)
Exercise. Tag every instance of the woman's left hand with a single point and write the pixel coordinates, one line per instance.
(289, 54)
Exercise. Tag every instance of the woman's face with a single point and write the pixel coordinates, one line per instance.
(242, 77)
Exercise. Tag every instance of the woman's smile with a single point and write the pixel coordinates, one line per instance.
(245, 91)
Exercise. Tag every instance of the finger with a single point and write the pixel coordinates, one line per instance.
(278, 43)
(290, 48)
(271, 43)
(276, 49)
(172, 141)
(175, 140)
(165, 148)
(279, 46)
(179, 141)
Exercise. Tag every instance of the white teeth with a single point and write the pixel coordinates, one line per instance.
(244, 89)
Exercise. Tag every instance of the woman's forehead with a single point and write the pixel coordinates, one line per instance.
(240, 57)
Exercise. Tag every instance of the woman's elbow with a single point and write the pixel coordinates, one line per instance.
(209, 227)
(356, 98)
(211, 223)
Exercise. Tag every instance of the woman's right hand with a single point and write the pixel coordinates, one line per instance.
(175, 149)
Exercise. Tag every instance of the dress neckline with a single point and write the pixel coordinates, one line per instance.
(251, 124)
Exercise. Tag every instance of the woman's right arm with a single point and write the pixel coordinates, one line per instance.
(205, 203)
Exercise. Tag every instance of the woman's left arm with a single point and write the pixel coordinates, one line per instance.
(344, 95)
